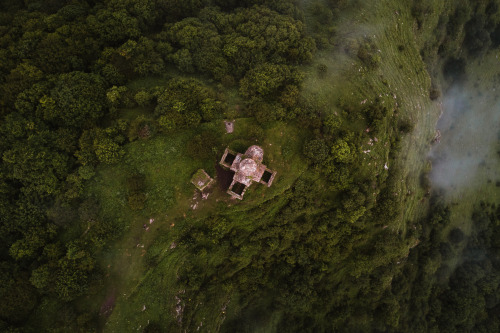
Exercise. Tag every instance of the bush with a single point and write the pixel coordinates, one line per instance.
(341, 151)
(456, 236)
(88, 210)
(332, 123)
(141, 128)
(137, 200)
(316, 150)
(368, 54)
(434, 94)
(153, 328)
(322, 70)
(405, 126)
(255, 132)
(264, 113)
(185, 103)
(136, 196)
(203, 146)
(268, 79)
(143, 98)
(454, 69)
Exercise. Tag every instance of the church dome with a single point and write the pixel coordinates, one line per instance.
(255, 152)
(248, 167)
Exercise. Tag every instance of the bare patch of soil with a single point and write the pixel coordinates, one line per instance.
(108, 304)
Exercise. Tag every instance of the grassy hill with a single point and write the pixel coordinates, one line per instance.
(145, 279)
(374, 222)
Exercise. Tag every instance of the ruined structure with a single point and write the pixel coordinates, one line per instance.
(229, 126)
(201, 179)
(247, 168)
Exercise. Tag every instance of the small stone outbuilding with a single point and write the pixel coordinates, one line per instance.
(201, 179)
(229, 126)
(247, 168)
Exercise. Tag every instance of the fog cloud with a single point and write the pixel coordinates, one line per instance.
(469, 129)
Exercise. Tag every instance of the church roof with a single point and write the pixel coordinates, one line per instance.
(255, 152)
(247, 168)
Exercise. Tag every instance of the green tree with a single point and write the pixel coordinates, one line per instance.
(341, 152)
(142, 56)
(185, 103)
(113, 27)
(38, 167)
(77, 99)
(41, 278)
(34, 239)
(106, 150)
(267, 79)
(18, 296)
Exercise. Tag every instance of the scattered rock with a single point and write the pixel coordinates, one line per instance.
(179, 307)
(108, 304)
(437, 137)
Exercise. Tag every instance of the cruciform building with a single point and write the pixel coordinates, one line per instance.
(247, 168)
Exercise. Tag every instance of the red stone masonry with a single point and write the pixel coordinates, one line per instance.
(248, 168)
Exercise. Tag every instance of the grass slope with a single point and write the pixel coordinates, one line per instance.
(400, 79)
(167, 168)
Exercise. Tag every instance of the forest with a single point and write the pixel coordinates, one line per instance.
(107, 108)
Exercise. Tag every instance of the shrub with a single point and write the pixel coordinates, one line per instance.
(322, 70)
(203, 146)
(456, 236)
(141, 128)
(454, 69)
(255, 132)
(136, 196)
(137, 200)
(434, 94)
(143, 98)
(316, 150)
(405, 126)
(367, 53)
(341, 151)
